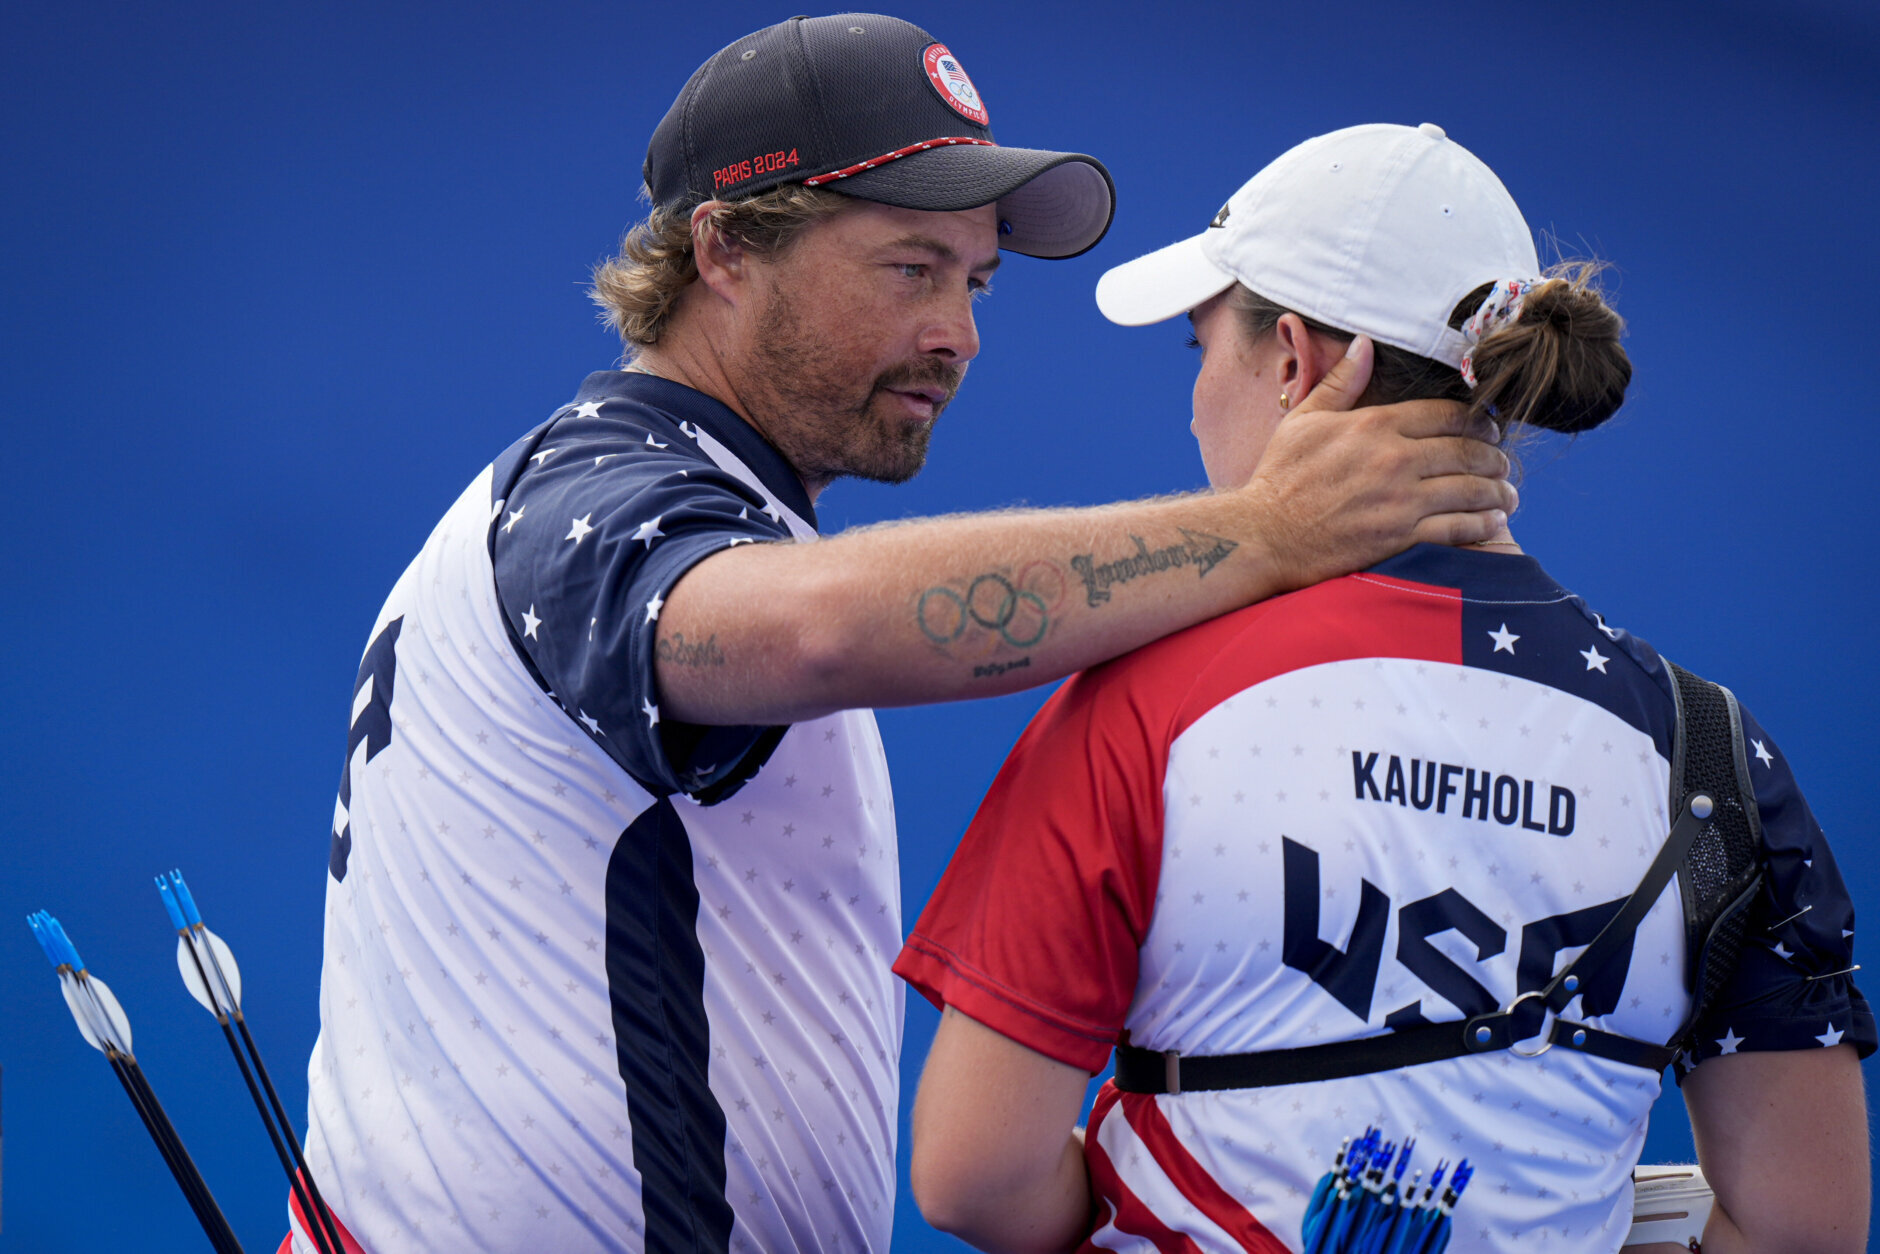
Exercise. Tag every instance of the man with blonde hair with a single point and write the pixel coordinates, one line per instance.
(614, 883)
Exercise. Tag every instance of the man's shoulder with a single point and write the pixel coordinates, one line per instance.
(626, 436)
(595, 428)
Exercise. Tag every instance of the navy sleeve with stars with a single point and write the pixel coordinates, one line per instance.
(1793, 987)
(603, 510)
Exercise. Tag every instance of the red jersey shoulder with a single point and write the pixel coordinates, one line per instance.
(1175, 680)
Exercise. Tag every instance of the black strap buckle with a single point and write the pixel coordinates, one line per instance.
(1496, 1030)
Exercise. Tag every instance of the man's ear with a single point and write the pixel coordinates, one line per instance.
(723, 264)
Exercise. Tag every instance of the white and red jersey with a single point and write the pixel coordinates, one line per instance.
(593, 982)
(1401, 797)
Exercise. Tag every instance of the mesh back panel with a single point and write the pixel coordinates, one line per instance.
(1722, 865)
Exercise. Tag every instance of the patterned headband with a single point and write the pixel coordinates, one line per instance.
(1501, 308)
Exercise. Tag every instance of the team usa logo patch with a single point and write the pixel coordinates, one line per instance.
(944, 72)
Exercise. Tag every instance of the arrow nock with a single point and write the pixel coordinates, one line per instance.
(185, 900)
(170, 904)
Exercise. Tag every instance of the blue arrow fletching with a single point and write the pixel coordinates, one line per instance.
(45, 940)
(188, 902)
(68, 952)
(169, 904)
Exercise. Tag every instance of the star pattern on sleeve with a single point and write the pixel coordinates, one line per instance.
(1504, 639)
(1594, 660)
(1762, 753)
(1729, 1041)
(1831, 1037)
(637, 496)
(515, 516)
(540, 458)
(649, 531)
(588, 409)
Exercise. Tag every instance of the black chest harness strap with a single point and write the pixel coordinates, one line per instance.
(1714, 843)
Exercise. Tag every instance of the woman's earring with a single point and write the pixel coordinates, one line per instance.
(1285, 401)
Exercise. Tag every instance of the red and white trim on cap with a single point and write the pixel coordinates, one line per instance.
(896, 155)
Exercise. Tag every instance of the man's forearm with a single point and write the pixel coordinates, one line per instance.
(947, 608)
(979, 605)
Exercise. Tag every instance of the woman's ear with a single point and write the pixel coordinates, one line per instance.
(1303, 360)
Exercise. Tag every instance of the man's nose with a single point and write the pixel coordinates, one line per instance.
(951, 333)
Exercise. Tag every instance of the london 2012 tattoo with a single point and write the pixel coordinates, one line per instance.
(1197, 549)
(678, 651)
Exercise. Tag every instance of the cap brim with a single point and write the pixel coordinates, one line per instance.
(1159, 285)
(1058, 204)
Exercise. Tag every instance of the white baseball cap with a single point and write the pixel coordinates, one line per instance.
(1378, 230)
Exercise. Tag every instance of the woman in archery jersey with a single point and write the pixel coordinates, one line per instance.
(1377, 810)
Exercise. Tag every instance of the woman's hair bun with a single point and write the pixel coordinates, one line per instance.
(1559, 365)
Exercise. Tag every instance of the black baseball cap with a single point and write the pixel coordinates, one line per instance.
(876, 108)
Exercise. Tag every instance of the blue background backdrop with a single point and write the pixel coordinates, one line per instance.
(280, 279)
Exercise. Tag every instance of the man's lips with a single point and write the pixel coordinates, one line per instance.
(922, 402)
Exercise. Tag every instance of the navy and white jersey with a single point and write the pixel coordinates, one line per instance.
(594, 981)
(1402, 797)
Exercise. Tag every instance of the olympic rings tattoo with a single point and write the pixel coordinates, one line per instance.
(959, 607)
(999, 618)
(1044, 624)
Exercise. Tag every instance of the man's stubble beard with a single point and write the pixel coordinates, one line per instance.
(826, 423)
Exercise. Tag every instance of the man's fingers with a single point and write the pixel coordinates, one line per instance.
(1417, 419)
(1466, 494)
(1344, 383)
(1455, 529)
(1458, 455)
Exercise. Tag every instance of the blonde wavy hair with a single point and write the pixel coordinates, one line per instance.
(637, 288)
